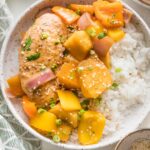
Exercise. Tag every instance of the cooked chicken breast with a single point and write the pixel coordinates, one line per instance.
(41, 49)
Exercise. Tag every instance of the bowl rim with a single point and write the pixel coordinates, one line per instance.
(128, 135)
(18, 117)
(141, 4)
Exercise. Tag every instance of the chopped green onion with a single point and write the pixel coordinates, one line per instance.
(54, 67)
(62, 38)
(58, 122)
(78, 12)
(113, 16)
(41, 110)
(79, 69)
(101, 35)
(72, 75)
(56, 138)
(70, 28)
(44, 36)
(91, 32)
(75, 92)
(81, 112)
(65, 53)
(113, 22)
(118, 70)
(114, 86)
(27, 44)
(85, 104)
(90, 68)
(97, 101)
(33, 57)
(52, 103)
(56, 42)
(42, 67)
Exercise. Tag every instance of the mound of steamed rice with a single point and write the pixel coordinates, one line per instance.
(133, 58)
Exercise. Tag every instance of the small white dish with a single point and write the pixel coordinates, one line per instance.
(9, 67)
(139, 135)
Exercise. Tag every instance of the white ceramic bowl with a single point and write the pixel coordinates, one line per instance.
(9, 67)
(139, 135)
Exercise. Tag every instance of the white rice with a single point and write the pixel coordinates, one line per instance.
(133, 58)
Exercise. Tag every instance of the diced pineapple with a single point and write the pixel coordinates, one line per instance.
(70, 117)
(91, 127)
(95, 29)
(45, 122)
(106, 60)
(116, 34)
(67, 75)
(64, 132)
(29, 107)
(109, 14)
(79, 44)
(82, 8)
(15, 86)
(94, 77)
(67, 15)
(68, 100)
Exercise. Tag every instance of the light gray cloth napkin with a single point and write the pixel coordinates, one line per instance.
(12, 135)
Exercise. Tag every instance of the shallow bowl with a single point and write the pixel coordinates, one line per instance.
(9, 67)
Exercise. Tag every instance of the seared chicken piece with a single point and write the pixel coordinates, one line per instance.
(41, 49)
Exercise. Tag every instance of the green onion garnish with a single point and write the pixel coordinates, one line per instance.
(54, 67)
(114, 86)
(91, 32)
(70, 28)
(56, 42)
(56, 138)
(33, 57)
(44, 36)
(81, 112)
(101, 35)
(58, 122)
(78, 12)
(79, 69)
(118, 70)
(85, 104)
(52, 103)
(27, 44)
(41, 110)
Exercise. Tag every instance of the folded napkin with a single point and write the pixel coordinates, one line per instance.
(12, 135)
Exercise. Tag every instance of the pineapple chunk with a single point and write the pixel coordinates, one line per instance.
(79, 44)
(95, 29)
(67, 15)
(116, 34)
(82, 8)
(45, 122)
(15, 86)
(91, 127)
(109, 14)
(67, 76)
(106, 60)
(68, 101)
(70, 117)
(64, 132)
(94, 77)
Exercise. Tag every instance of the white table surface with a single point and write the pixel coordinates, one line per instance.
(18, 6)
